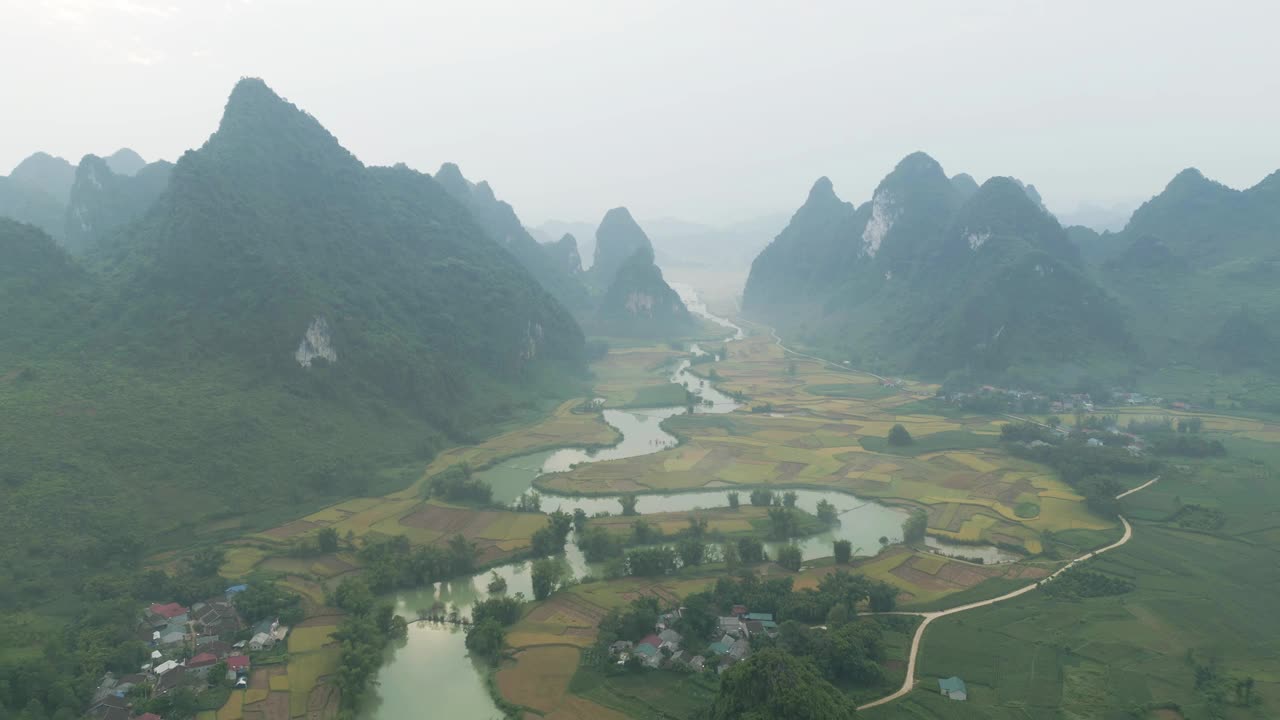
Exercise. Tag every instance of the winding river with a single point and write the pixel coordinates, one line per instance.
(429, 674)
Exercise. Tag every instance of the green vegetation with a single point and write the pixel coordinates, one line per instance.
(160, 393)
(455, 484)
(789, 557)
(939, 279)
(899, 437)
(775, 684)
(933, 442)
(364, 632)
(554, 270)
(1079, 583)
(393, 564)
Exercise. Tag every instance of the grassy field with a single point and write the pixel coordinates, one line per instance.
(1202, 598)
(648, 695)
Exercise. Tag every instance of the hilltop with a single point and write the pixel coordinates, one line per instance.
(937, 274)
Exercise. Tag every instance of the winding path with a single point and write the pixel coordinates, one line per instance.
(908, 683)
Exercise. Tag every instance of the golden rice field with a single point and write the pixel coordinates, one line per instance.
(308, 639)
(813, 440)
(305, 671)
(539, 677)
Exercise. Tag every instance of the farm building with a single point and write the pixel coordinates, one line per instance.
(952, 687)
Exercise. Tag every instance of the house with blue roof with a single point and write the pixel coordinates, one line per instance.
(952, 687)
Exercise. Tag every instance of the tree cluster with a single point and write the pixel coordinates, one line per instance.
(456, 484)
(393, 564)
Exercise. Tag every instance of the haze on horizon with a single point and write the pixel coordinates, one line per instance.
(718, 112)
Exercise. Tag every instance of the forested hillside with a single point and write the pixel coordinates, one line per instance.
(561, 278)
(281, 328)
(103, 201)
(937, 275)
(1198, 266)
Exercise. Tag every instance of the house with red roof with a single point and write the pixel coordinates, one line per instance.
(202, 662)
(168, 611)
(238, 663)
(148, 716)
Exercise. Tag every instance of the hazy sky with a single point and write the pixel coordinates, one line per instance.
(709, 111)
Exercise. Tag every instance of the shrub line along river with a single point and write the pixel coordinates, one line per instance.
(430, 675)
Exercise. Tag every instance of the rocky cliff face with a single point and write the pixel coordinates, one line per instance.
(639, 303)
(618, 239)
(937, 274)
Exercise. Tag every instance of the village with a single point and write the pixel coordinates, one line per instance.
(198, 649)
(662, 648)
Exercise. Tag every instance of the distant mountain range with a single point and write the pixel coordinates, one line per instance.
(679, 243)
(941, 276)
(71, 202)
(637, 300)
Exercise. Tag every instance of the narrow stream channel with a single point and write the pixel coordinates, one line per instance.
(429, 674)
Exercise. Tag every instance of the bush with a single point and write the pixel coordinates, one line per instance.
(899, 437)
(843, 551)
(790, 557)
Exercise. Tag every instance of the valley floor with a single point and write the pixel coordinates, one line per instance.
(1200, 599)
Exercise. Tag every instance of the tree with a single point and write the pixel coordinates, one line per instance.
(789, 498)
(827, 512)
(790, 557)
(914, 526)
(761, 497)
(751, 550)
(843, 551)
(546, 576)
(530, 502)
(353, 596)
(328, 540)
(899, 437)
(1054, 421)
(729, 553)
(550, 539)
(692, 551)
(698, 618)
(497, 583)
(264, 599)
(650, 562)
(782, 523)
(502, 609)
(217, 676)
(733, 500)
(205, 561)
(838, 615)
(883, 597)
(579, 519)
(486, 639)
(642, 533)
(775, 684)
(628, 504)
(598, 544)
